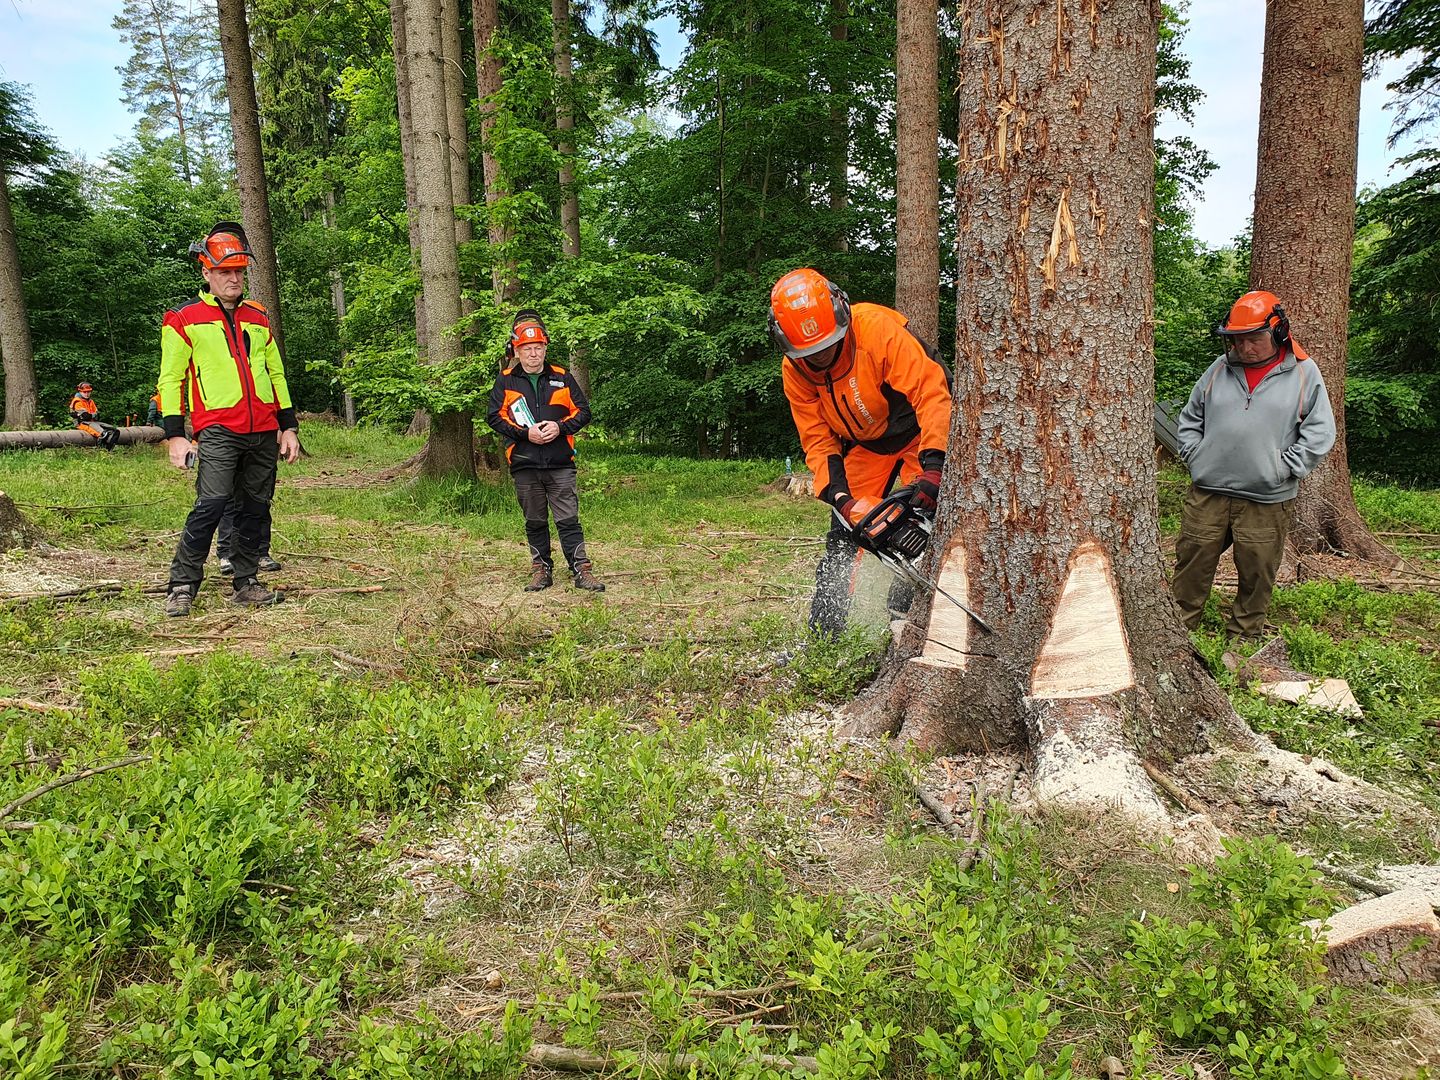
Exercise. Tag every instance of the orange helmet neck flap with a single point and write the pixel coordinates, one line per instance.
(224, 247)
(808, 314)
(1255, 311)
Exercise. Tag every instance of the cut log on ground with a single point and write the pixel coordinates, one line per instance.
(50, 440)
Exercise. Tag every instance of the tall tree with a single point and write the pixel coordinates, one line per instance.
(19, 355)
(264, 272)
(450, 450)
(1304, 230)
(454, 66)
(22, 146)
(171, 77)
(1047, 521)
(917, 166)
(840, 122)
(565, 146)
(489, 82)
(407, 151)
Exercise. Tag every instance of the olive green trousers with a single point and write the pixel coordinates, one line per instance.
(1210, 524)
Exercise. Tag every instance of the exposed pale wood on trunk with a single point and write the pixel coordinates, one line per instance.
(18, 353)
(451, 446)
(947, 641)
(263, 272)
(917, 167)
(1051, 436)
(1305, 227)
(1085, 653)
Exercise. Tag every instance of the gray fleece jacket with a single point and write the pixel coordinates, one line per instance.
(1256, 446)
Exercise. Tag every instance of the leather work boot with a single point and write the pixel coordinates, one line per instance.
(178, 602)
(252, 594)
(585, 578)
(541, 577)
(268, 564)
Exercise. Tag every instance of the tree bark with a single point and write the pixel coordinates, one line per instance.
(1048, 523)
(337, 302)
(50, 440)
(840, 121)
(917, 166)
(1305, 228)
(455, 116)
(407, 150)
(450, 450)
(565, 144)
(488, 85)
(21, 394)
(263, 272)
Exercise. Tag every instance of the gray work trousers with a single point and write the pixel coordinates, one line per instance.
(228, 466)
(552, 491)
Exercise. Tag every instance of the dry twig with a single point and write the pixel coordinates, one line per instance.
(9, 809)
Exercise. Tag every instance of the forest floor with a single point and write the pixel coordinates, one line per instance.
(415, 822)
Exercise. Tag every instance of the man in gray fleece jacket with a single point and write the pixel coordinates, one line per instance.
(1257, 422)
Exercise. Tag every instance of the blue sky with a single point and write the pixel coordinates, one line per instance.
(66, 52)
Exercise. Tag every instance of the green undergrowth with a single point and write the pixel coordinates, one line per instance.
(631, 808)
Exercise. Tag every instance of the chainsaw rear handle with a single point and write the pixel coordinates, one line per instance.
(893, 527)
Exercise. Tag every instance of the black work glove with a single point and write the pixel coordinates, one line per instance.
(927, 490)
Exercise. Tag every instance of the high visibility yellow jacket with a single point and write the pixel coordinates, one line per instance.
(227, 364)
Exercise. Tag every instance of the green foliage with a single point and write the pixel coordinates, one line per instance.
(1245, 983)
(426, 1050)
(836, 666)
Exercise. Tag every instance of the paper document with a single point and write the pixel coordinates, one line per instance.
(520, 413)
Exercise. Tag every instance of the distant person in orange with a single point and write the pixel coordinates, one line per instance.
(85, 411)
(871, 403)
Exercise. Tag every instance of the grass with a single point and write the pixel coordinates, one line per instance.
(408, 833)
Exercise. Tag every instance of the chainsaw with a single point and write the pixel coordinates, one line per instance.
(897, 533)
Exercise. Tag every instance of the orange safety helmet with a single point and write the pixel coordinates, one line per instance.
(808, 313)
(1256, 310)
(84, 388)
(528, 332)
(224, 247)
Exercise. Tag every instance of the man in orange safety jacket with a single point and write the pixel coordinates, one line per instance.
(871, 403)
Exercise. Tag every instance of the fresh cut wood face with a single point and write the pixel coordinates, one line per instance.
(1086, 653)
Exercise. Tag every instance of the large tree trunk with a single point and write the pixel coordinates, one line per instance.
(1305, 227)
(917, 167)
(264, 273)
(407, 150)
(1047, 522)
(488, 85)
(455, 116)
(18, 354)
(565, 144)
(50, 440)
(840, 122)
(451, 447)
(337, 302)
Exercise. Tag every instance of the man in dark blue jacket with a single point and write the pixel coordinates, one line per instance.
(537, 408)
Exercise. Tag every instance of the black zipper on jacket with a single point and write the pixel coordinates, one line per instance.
(840, 409)
(242, 361)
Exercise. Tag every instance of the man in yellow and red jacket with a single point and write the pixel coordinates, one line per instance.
(871, 402)
(219, 353)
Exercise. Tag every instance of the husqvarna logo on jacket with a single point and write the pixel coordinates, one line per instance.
(859, 401)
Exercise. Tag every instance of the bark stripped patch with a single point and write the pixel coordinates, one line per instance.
(947, 639)
(1086, 653)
